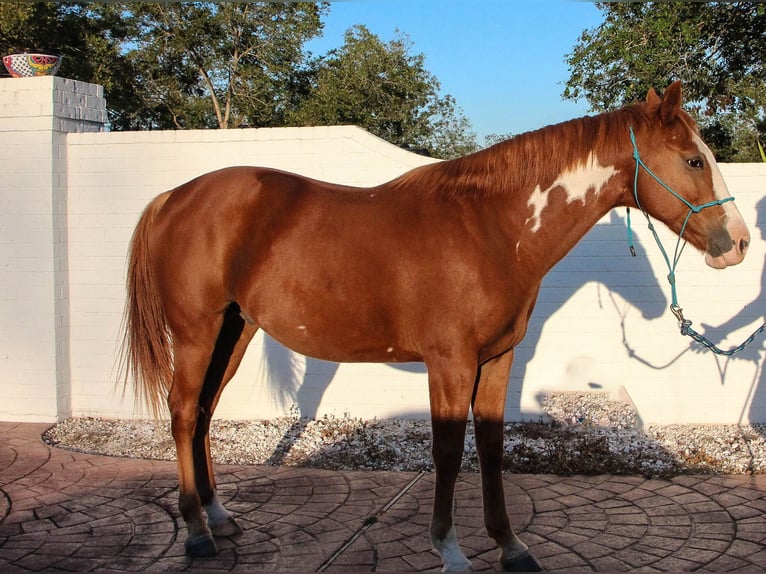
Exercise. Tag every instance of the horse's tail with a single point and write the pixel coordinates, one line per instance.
(146, 355)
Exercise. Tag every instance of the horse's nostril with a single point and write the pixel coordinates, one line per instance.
(743, 244)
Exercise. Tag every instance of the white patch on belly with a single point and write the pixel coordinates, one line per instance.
(575, 182)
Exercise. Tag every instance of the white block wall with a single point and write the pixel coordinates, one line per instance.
(71, 198)
(35, 115)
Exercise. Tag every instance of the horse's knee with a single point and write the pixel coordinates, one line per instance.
(183, 418)
(448, 443)
(447, 461)
(489, 437)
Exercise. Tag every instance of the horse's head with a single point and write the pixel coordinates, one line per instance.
(696, 201)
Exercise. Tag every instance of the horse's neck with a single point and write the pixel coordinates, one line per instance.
(545, 189)
(539, 248)
(554, 204)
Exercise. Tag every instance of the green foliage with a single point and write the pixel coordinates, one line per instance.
(207, 64)
(494, 138)
(176, 65)
(715, 48)
(385, 89)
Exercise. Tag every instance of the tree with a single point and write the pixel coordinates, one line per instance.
(207, 64)
(715, 48)
(385, 89)
(495, 138)
(176, 65)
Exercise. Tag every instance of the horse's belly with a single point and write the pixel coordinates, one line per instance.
(340, 342)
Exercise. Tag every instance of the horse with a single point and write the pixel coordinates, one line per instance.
(441, 265)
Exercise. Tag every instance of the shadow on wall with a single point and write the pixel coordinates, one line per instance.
(753, 314)
(617, 275)
(303, 381)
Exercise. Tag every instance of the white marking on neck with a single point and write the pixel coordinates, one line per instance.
(576, 182)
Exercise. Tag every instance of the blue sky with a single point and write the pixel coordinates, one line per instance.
(502, 60)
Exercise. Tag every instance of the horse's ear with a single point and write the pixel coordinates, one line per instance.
(652, 98)
(671, 103)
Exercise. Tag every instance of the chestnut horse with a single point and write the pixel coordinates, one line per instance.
(441, 265)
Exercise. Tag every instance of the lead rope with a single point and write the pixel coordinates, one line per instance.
(684, 324)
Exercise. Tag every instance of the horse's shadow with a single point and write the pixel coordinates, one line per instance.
(601, 257)
(304, 383)
(754, 312)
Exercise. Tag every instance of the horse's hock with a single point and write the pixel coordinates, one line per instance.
(72, 193)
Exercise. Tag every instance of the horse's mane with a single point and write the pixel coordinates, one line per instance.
(528, 159)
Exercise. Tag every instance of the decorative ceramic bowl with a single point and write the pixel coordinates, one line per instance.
(28, 65)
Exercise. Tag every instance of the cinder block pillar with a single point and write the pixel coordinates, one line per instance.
(35, 116)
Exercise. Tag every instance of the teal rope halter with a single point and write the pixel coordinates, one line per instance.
(684, 324)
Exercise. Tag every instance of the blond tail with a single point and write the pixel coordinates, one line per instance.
(146, 355)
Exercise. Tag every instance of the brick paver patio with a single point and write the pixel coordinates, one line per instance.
(66, 511)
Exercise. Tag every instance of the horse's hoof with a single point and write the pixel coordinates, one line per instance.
(457, 564)
(523, 563)
(466, 567)
(201, 546)
(226, 527)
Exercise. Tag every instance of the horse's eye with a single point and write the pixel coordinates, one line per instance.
(695, 163)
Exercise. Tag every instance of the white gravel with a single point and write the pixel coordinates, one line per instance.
(583, 433)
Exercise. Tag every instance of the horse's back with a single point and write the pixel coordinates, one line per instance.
(234, 188)
(220, 210)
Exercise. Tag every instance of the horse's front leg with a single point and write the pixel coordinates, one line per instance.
(450, 388)
(488, 411)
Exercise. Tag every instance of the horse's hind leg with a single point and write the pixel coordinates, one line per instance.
(230, 348)
(450, 387)
(191, 358)
(203, 355)
(488, 411)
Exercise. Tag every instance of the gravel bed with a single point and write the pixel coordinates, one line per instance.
(582, 433)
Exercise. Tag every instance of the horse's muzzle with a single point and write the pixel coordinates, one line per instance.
(726, 247)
